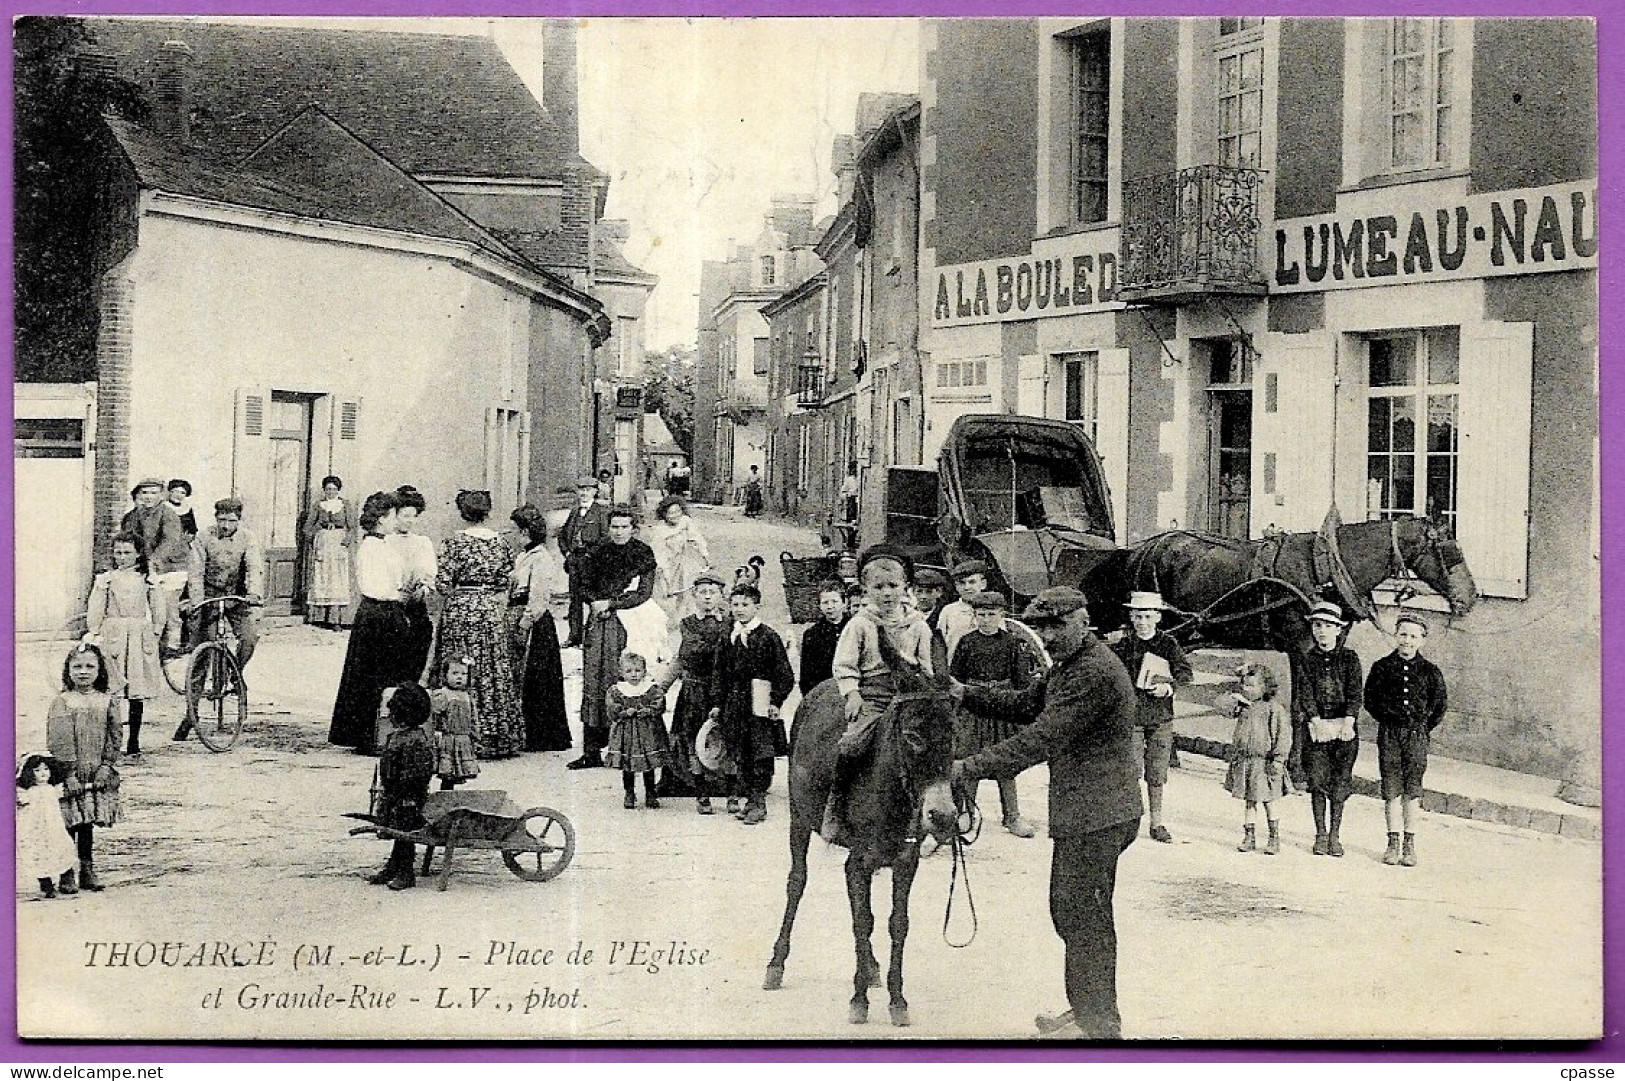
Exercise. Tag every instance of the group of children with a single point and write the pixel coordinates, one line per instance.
(1316, 742)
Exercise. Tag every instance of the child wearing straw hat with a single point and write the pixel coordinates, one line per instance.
(1157, 666)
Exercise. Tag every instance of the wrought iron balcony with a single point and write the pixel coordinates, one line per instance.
(810, 386)
(1191, 234)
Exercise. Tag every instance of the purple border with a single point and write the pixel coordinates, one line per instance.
(1611, 42)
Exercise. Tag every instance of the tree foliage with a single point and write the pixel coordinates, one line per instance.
(669, 389)
(58, 154)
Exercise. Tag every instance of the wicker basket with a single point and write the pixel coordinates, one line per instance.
(802, 576)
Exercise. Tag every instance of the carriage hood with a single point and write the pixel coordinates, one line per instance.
(1032, 492)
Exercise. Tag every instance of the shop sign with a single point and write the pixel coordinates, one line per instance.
(1530, 231)
(1061, 276)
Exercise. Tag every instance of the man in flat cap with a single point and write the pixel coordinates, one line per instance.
(167, 547)
(1085, 714)
(587, 524)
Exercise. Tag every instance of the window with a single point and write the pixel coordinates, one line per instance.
(1080, 399)
(1241, 92)
(760, 357)
(767, 270)
(1412, 426)
(1091, 97)
(52, 437)
(803, 456)
(1421, 62)
(961, 373)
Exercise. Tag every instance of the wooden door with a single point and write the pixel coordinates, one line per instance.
(1230, 462)
(289, 430)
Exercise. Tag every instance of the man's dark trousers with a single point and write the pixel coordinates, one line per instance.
(1083, 876)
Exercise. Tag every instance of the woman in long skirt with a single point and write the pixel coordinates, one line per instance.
(616, 575)
(417, 556)
(329, 531)
(537, 575)
(377, 656)
(473, 578)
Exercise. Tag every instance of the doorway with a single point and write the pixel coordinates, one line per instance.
(1230, 438)
(289, 430)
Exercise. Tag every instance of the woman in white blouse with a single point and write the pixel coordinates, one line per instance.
(538, 672)
(376, 657)
(417, 556)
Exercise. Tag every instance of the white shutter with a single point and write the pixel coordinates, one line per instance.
(344, 442)
(1030, 385)
(1111, 429)
(1492, 497)
(1298, 433)
(251, 449)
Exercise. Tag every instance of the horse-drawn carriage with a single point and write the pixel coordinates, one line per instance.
(1026, 495)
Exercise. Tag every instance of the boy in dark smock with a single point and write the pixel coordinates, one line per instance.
(404, 770)
(753, 651)
(818, 641)
(1328, 692)
(989, 655)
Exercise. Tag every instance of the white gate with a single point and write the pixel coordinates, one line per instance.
(51, 501)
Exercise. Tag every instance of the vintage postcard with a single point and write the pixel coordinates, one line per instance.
(504, 505)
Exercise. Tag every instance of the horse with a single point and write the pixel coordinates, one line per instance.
(902, 783)
(1257, 594)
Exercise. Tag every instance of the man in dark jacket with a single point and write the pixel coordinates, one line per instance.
(587, 524)
(1154, 684)
(1085, 715)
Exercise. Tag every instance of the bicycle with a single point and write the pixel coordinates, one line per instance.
(216, 693)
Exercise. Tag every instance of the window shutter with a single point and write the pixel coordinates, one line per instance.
(1030, 386)
(1299, 432)
(1111, 429)
(344, 440)
(1497, 361)
(251, 450)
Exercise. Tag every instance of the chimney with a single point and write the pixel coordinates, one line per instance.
(559, 88)
(171, 113)
(615, 231)
(793, 216)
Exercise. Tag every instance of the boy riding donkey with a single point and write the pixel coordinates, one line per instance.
(866, 682)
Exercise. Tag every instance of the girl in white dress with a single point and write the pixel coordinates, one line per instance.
(125, 616)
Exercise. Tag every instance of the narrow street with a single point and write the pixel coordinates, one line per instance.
(663, 924)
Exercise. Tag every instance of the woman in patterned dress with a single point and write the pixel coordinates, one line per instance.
(473, 578)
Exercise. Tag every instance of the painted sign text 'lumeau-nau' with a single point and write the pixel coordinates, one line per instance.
(1062, 276)
(1530, 231)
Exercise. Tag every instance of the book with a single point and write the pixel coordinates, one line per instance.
(761, 697)
(1153, 670)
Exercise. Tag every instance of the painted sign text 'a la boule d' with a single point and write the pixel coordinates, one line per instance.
(1061, 276)
(1528, 231)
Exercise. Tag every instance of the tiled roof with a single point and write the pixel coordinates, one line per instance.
(312, 168)
(430, 103)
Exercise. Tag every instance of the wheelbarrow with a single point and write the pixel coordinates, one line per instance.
(536, 844)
